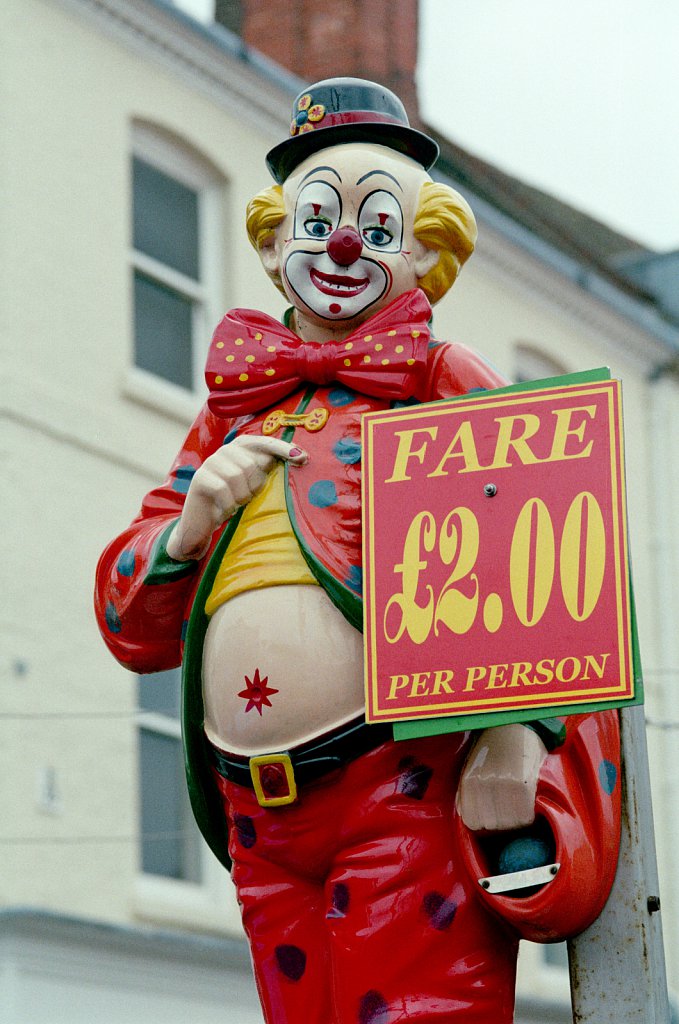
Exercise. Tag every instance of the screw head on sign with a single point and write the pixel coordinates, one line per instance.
(490, 490)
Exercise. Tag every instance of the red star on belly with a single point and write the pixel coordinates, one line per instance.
(256, 692)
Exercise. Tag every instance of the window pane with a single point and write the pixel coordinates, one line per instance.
(160, 692)
(165, 219)
(162, 331)
(170, 841)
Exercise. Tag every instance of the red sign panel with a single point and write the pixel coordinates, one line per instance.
(495, 554)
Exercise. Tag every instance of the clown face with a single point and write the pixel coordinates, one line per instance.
(346, 247)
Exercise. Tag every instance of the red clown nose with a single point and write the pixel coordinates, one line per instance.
(345, 246)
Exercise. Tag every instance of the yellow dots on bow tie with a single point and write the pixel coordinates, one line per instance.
(367, 359)
(399, 349)
(415, 334)
(243, 377)
(249, 359)
(378, 347)
(229, 359)
(258, 336)
(368, 337)
(271, 348)
(347, 362)
(219, 379)
(391, 334)
(270, 372)
(349, 345)
(220, 344)
(239, 341)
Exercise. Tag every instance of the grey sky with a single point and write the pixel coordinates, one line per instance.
(580, 99)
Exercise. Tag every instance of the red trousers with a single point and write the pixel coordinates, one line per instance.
(355, 901)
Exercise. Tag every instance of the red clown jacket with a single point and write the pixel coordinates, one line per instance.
(147, 605)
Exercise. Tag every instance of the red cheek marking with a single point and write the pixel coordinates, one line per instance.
(257, 693)
(335, 307)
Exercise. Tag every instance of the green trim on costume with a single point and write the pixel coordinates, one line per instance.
(205, 800)
(163, 568)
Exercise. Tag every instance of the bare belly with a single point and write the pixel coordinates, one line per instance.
(280, 666)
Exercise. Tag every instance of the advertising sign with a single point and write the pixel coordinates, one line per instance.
(495, 555)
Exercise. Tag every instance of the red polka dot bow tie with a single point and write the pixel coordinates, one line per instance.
(254, 361)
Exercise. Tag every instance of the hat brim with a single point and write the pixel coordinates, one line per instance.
(284, 157)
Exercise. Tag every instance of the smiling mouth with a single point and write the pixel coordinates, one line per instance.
(334, 284)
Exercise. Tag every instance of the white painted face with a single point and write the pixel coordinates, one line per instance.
(346, 247)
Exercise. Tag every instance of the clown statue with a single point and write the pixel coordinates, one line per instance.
(356, 859)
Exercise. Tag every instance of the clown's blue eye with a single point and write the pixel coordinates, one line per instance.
(377, 236)
(317, 227)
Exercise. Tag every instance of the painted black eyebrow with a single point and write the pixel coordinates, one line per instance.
(316, 171)
(385, 173)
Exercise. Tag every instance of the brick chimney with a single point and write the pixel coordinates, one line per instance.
(316, 39)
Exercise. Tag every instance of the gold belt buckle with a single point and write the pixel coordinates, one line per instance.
(274, 779)
(311, 421)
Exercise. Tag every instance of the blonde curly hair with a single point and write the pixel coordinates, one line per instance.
(443, 222)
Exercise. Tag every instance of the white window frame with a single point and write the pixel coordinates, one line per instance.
(208, 905)
(177, 160)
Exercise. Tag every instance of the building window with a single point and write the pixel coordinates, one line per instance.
(170, 841)
(175, 260)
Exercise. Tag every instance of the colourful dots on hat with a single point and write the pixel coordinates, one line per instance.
(415, 334)
(347, 450)
(391, 334)
(608, 776)
(271, 348)
(239, 341)
(399, 349)
(367, 359)
(112, 619)
(220, 344)
(379, 347)
(258, 336)
(368, 337)
(219, 379)
(249, 359)
(126, 563)
(349, 345)
(270, 372)
(229, 359)
(385, 362)
(410, 362)
(323, 494)
(243, 377)
(347, 362)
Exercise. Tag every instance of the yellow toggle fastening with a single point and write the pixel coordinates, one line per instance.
(312, 421)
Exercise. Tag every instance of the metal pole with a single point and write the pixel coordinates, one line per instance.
(617, 966)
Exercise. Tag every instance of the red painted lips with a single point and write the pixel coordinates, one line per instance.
(338, 285)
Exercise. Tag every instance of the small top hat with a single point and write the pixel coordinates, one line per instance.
(339, 110)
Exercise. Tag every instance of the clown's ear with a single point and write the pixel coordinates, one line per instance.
(425, 259)
(269, 256)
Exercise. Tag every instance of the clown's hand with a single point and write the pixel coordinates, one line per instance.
(499, 781)
(227, 479)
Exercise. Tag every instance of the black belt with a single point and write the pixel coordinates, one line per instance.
(276, 777)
